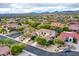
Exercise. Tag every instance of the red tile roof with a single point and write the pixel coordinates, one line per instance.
(65, 35)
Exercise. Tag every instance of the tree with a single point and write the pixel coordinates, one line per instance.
(74, 40)
(7, 42)
(43, 25)
(0, 20)
(33, 37)
(31, 28)
(27, 34)
(65, 29)
(40, 40)
(57, 41)
(59, 30)
(16, 48)
(1, 30)
(33, 23)
(4, 21)
(21, 28)
(21, 45)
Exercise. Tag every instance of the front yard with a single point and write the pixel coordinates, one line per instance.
(44, 45)
(51, 48)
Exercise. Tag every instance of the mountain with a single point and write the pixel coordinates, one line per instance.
(36, 13)
(57, 12)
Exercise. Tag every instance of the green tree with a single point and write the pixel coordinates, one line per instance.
(21, 28)
(27, 34)
(74, 40)
(33, 23)
(65, 29)
(31, 28)
(40, 40)
(4, 21)
(21, 45)
(57, 41)
(7, 42)
(16, 48)
(59, 30)
(43, 25)
(33, 37)
(1, 30)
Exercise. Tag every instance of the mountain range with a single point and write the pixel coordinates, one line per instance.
(36, 13)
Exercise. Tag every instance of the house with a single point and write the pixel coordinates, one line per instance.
(73, 25)
(69, 37)
(73, 22)
(10, 26)
(48, 34)
(57, 24)
(4, 51)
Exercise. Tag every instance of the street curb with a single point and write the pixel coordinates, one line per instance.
(31, 54)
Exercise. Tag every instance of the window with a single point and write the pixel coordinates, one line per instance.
(66, 40)
(70, 40)
(41, 32)
(44, 33)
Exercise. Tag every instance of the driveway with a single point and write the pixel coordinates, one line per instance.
(14, 35)
(2, 37)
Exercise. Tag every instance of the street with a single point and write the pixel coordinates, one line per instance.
(40, 52)
(2, 37)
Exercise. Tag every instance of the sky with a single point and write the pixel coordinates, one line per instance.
(39, 1)
(37, 7)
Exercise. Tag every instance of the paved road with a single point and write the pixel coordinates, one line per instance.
(40, 52)
(2, 37)
(14, 35)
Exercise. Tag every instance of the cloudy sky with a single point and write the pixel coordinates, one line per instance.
(36, 7)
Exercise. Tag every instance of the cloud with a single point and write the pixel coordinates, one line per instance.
(37, 7)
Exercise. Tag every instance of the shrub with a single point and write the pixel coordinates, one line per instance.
(74, 40)
(20, 29)
(65, 29)
(33, 37)
(27, 34)
(57, 41)
(59, 30)
(51, 42)
(17, 48)
(1, 30)
(40, 40)
(7, 41)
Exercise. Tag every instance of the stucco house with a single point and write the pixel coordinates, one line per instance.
(46, 33)
(10, 26)
(69, 37)
(73, 25)
(57, 24)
